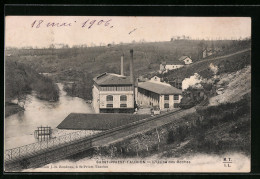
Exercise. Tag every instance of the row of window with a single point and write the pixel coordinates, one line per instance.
(122, 98)
(175, 97)
(116, 88)
(121, 105)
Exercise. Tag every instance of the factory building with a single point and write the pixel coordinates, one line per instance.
(114, 93)
(158, 95)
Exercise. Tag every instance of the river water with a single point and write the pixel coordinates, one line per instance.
(19, 128)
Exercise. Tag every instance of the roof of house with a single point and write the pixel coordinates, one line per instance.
(112, 79)
(102, 121)
(183, 58)
(159, 88)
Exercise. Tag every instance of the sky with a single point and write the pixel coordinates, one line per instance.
(41, 31)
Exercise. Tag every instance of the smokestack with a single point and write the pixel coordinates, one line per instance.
(132, 79)
(122, 65)
(132, 66)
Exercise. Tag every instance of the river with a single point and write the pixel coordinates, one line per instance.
(19, 128)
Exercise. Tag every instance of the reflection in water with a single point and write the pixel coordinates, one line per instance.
(19, 128)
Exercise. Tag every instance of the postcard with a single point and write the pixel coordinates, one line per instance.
(127, 94)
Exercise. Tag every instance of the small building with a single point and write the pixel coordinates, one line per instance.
(155, 79)
(187, 60)
(167, 66)
(158, 95)
(210, 51)
(113, 93)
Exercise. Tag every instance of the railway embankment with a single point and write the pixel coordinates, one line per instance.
(212, 130)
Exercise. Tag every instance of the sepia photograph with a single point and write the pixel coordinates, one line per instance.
(127, 94)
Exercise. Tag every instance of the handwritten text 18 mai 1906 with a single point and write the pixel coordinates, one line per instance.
(88, 23)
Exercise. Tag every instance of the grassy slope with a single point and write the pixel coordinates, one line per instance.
(213, 134)
(226, 65)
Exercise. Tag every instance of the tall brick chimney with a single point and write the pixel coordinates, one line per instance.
(122, 65)
(132, 78)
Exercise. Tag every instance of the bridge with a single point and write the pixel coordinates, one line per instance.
(41, 153)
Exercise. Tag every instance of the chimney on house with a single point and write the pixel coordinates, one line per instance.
(122, 64)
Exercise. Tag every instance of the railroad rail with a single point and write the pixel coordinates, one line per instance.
(51, 152)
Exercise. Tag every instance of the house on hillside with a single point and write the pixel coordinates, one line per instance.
(167, 66)
(113, 93)
(155, 79)
(210, 51)
(187, 60)
(158, 95)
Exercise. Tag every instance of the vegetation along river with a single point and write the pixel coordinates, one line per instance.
(20, 127)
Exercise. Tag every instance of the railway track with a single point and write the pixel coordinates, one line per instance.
(52, 154)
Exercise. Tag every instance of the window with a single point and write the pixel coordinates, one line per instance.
(166, 97)
(109, 105)
(123, 98)
(166, 105)
(123, 105)
(109, 98)
(176, 97)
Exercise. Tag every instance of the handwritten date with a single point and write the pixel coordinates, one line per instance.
(86, 24)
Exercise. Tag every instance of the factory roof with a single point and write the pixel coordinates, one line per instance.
(112, 79)
(102, 121)
(159, 88)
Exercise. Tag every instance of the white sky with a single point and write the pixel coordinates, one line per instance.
(19, 31)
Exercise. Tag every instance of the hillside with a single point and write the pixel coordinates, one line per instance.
(225, 64)
(20, 80)
(235, 85)
(222, 129)
(80, 65)
(96, 60)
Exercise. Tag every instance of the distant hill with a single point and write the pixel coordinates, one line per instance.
(79, 65)
(96, 60)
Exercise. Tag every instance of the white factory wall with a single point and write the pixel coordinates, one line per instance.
(145, 101)
(116, 99)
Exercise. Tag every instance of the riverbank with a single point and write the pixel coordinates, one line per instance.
(21, 80)
(20, 127)
(11, 108)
